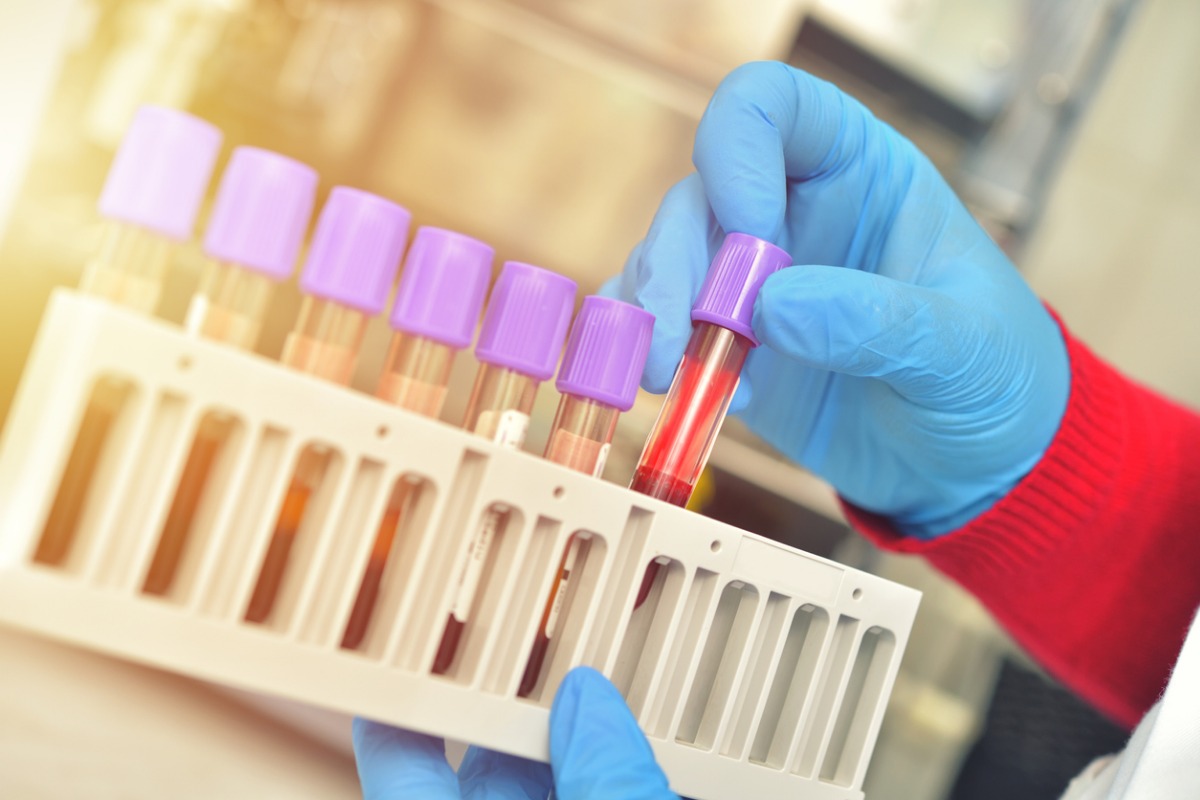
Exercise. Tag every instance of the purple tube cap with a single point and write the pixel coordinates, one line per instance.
(442, 287)
(161, 171)
(606, 352)
(356, 249)
(262, 211)
(734, 278)
(526, 320)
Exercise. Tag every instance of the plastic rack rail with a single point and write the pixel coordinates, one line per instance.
(755, 669)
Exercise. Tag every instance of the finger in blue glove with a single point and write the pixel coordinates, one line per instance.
(395, 764)
(597, 750)
(904, 358)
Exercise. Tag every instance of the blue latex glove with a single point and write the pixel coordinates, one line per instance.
(906, 361)
(597, 752)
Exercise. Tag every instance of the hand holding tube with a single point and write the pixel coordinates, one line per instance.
(906, 361)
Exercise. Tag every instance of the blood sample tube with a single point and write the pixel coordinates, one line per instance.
(598, 379)
(351, 264)
(519, 344)
(682, 438)
(437, 307)
(258, 222)
(149, 204)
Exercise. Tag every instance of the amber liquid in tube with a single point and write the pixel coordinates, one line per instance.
(690, 419)
(381, 549)
(62, 523)
(206, 447)
(415, 376)
(498, 410)
(580, 440)
(324, 343)
(310, 471)
(228, 307)
(128, 269)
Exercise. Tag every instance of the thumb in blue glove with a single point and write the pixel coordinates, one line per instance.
(597, 752)
(395, 764)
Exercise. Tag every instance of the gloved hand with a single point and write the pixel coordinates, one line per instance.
(597, 752)
(905, 360)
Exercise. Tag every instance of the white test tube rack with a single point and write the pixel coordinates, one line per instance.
(755, 669)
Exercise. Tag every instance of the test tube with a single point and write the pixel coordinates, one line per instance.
(148, 205)
(682, 438)
(351, 264)
(258, 222)
(519, 344)
(441, 292)
(598, 379)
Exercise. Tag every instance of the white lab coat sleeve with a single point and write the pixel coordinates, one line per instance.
(1162, 759)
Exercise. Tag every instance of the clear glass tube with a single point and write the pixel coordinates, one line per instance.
(74, 487)
(129, 267)
(325, 343)
(580, 439)
(415, 376)
(211, 435)
(230, 304)
(498, 410)
(326, 340)
(683, 436)
(402, 496)
(416, 373)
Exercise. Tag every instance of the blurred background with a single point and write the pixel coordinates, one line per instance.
(551, 130)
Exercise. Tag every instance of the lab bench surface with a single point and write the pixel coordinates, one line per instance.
(77, 724)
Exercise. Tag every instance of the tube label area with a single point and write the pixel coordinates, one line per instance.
(505, 428)
(472, 571)
(560, 590)
(601, 460)
(197, 311)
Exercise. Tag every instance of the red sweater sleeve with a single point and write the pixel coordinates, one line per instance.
(1092, 562)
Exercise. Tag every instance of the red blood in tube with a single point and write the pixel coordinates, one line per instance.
(661, 485)
(537, 656)
(692, 414)
(364, 604)
(76, 483)
(448, 646)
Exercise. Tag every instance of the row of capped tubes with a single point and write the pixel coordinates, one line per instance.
(259, 220)
(258, 223)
